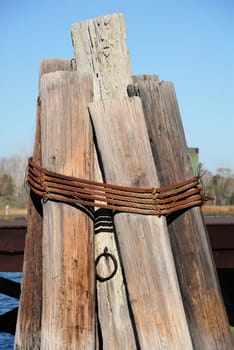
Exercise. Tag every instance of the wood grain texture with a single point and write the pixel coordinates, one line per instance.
(113, 314)
(146, 256)
(68, 307)
(28, 331)
(203, 303)
(50, 65)
(28, 327)
(100, 49)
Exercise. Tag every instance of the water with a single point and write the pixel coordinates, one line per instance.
(6, 304)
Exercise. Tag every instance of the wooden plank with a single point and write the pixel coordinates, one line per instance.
(68, 306)
(220, 231)
(12, 238)
(28, 330)
(11, 262)
(195, 268)
(100, 49)
(147, 262)
(224, 259)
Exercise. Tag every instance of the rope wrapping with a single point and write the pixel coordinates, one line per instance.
(150, 201)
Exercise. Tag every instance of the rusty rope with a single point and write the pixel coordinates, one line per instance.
(151, 201)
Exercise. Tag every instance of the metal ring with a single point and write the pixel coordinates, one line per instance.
(106, 255)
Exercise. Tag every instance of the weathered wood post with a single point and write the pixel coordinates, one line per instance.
(28, 327)
(141, 307)
(143, 241)
(204, 308)
(152, 316)
(101, 50)
(68, 307)
(28, 331)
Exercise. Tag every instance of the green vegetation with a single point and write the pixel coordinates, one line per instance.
(12, 187)
(220, 186)
(7, 188)
(9, 196)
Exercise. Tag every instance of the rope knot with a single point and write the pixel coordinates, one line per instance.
(155, 196)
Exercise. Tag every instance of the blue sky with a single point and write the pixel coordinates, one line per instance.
(188, 42)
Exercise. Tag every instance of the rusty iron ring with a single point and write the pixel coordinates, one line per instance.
(106, 255)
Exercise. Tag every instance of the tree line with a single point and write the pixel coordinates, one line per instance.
(14, 191)
(220, 186)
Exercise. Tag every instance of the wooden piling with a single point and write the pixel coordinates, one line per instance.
(147, 262)
(143, 306)
(28, 330)
(68, 307)
(203, 303)
(101, 50)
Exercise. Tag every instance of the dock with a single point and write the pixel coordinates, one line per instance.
(220, 230)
